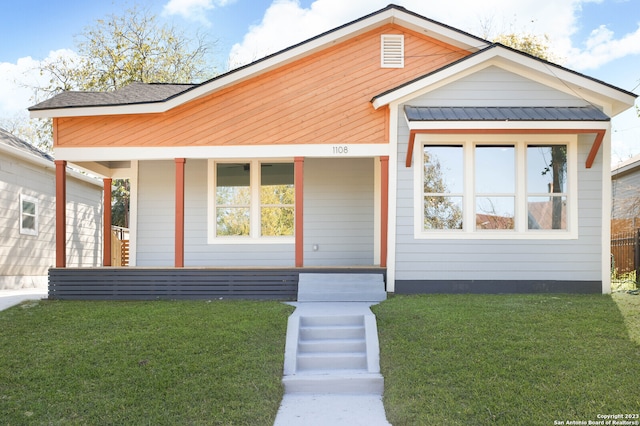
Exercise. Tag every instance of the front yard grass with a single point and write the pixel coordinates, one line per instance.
(459, 359)
(156, 363)
(507, 359)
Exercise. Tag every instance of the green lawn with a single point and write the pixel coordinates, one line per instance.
(155, 363)
(506, 359)
(447, 360)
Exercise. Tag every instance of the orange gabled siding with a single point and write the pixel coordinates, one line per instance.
(322, 98)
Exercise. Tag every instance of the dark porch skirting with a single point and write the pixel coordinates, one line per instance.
(495, 287)
(182, 283)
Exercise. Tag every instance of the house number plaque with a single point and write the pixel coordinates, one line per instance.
(340, 149)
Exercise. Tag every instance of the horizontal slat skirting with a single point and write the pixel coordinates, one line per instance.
(180, 283)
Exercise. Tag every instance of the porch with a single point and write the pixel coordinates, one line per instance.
(150, 283)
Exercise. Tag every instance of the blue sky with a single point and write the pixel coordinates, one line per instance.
(600, 38)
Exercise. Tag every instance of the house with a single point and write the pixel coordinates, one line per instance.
(375, 146)
(625, 190)
(27, 219)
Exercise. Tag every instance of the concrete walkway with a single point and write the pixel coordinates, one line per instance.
(331, 410)
(9, 298)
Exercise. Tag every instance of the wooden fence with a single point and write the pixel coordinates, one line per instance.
(625, 253)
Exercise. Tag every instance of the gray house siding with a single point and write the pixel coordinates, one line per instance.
(338, 218)
(339, 212)
(459, 265)
(156, 198)
(494, 86)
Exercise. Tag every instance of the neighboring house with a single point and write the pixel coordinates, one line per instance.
(625, 190)
(27, 215)
(380, 145)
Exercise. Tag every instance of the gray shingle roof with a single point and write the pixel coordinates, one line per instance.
(13, 141)
(134, 93)
(586, 113)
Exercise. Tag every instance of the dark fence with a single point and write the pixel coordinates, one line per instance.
(625, 254)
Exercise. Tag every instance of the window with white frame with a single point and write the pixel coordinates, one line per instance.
(251, 200)
(28, 215)
(496, 186)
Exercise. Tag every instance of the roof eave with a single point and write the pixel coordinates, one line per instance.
(47, 164)
(619, 100)
(392, 14)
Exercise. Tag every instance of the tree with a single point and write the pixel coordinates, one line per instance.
(532, 44)
(440, 212)
(117, 51)
(120, 195)
(122, 49)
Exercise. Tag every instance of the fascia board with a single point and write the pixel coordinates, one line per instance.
(218, 83)
(557, 78)
(305, 48)
(228, 152)
(566, 81)
(439, 32)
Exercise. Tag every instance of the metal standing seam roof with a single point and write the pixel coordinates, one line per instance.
(585, 113)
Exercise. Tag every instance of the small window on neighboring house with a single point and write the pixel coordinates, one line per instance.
(28, 215)
(392, 47)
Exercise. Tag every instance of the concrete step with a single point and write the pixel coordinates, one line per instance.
(331, 361)
(333, 332)
(325, 320)
(341, 288)
(345, 383)
(332, 345)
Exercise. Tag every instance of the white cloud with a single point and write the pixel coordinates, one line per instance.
(193, 10)
(285, 23)
(16, 94)
(601, 47)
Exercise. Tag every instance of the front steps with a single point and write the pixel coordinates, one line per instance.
(332, 355)
(332, 338)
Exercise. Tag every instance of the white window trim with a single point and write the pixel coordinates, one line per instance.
(520, 142)
(27, 231)
(254, 234)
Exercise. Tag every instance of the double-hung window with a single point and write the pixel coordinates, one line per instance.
(496, 186)
(251, 201)
(28, 215)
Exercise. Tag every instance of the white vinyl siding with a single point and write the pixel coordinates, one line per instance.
(28, 215)
(32, 255)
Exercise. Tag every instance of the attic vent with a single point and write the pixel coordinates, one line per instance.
(392, 47)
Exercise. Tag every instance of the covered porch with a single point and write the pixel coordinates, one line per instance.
(339, 218)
